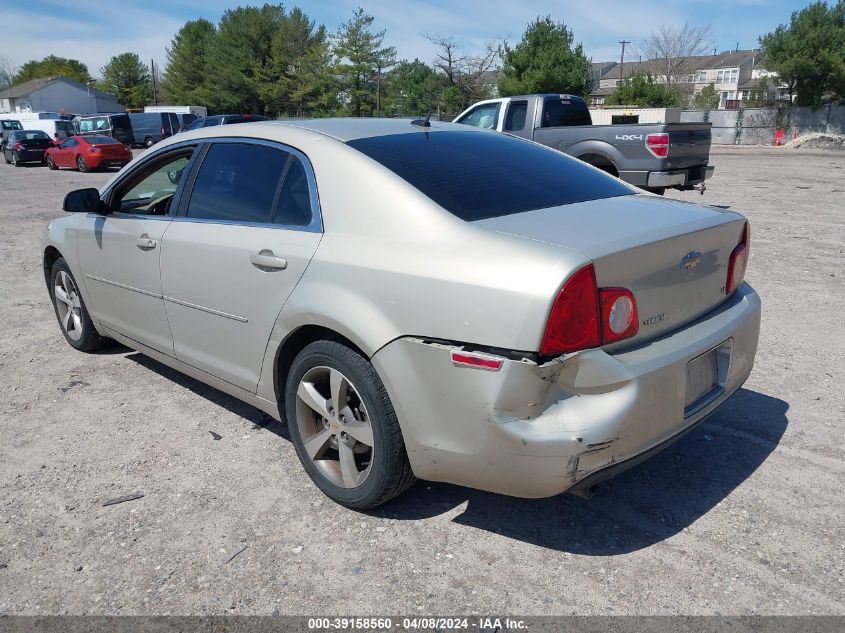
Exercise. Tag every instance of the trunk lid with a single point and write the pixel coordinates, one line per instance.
(672, 255)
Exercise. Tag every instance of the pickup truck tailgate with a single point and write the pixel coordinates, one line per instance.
(689, 145)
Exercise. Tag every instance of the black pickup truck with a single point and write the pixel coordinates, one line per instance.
(653, 156)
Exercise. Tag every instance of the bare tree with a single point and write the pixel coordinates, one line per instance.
(7, 72)
(669, 52)
(467, 78)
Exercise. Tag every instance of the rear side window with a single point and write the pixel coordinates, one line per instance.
(565, 112)
(476, 175)
(294, 208)
(238, 182)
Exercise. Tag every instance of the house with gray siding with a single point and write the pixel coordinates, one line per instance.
(57, 94)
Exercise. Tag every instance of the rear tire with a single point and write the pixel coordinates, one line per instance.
(148, 142)
(73, 317)
(81, 164)
(6, 158)
(371, 474)
(15, 161)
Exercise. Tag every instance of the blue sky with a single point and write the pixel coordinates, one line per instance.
(94, 30)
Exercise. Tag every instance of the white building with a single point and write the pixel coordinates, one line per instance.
(57, 94)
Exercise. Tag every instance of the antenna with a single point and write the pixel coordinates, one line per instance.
(426, 122)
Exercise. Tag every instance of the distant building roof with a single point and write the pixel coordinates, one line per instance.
(728, 59)
(28, 87)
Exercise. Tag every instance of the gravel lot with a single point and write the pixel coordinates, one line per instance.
(744, 515)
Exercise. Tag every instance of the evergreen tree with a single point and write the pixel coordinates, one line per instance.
(545, 60)
(127, 78)
(185, 79)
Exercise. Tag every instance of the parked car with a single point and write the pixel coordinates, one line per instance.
(26, 146)
(652, 156)
(117, 126)
(88, 152)
(50, 122)
(152, 127)
(7, 126)
(225, 119)
(186, 114)
(456, 305)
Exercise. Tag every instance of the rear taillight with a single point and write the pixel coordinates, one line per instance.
(618, 314)
(738, 261)
(658, 144)
(18, 147)
(574, 320)
(584, 316)
(93, 149)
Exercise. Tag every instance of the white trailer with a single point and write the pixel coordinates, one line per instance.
(197, 111)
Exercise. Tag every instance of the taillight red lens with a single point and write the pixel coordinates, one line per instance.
(618, 314)
(574, 320)
(738, 261)
(658, 144)
(18, 147)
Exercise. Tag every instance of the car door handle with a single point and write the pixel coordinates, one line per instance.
(266, 259)
(146, 243)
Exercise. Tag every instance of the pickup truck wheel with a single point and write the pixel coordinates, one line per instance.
(343, 427)
(74, 320)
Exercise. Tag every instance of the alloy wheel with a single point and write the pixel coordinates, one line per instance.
(68, 305)
(334, 426)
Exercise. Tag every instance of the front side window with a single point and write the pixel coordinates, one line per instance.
(71, 142)
(152, 190)
(238, 182)
(484, 116)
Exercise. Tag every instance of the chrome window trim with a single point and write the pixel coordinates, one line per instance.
(316, 224)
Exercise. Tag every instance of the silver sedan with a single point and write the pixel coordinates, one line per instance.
(416, 300)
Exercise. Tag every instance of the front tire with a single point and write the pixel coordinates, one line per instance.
(74, 320)
(51, 163)
(343, 427)
(148, 142)
(81, 164)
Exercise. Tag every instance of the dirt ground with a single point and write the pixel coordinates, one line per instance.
(743, 516)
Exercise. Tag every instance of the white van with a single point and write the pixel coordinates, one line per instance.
(49, 122)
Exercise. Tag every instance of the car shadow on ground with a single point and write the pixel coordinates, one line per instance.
(258, 418)
(638, 508)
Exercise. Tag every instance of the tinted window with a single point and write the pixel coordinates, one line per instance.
(121, 121)
(563, 112)
(476, 176)
(294, 208)
(237, 182)
(515, 118)
(12, 125)
(212, 122)
(71, 142)
(151, 191)
(484, 116)
(100, 140)
(196, 124)
(30, 135)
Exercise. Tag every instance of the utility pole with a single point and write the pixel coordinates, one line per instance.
(622, 62)
(153, 74)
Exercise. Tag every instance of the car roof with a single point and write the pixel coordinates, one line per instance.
(352, 128)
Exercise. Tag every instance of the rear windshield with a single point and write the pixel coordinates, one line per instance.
(31, 135)
(101, 140)
(476, 175)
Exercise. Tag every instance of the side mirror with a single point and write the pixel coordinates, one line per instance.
(84, 201)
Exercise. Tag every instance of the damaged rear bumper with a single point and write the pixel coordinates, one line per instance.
(532, 430)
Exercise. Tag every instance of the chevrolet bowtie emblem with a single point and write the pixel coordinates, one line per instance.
(690, 260)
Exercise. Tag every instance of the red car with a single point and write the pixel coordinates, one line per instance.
(88, 152)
